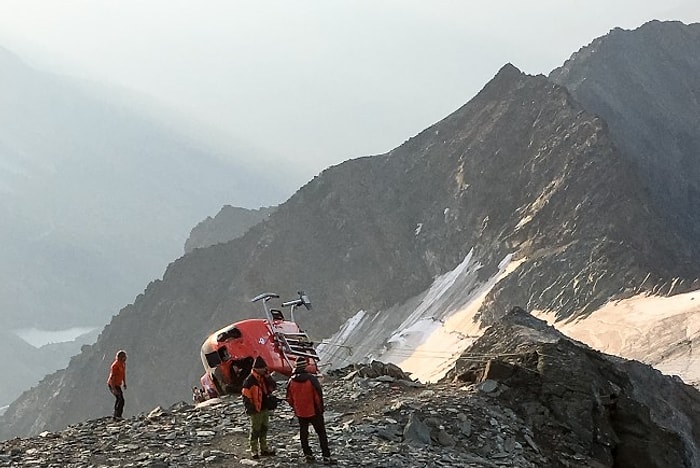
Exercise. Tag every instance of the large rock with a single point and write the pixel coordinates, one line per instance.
(622, 412)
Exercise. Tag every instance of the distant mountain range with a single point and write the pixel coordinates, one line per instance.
(99, 190)
(526, 196)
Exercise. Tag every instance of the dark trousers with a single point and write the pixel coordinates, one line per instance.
(119, 402)
(320, 428)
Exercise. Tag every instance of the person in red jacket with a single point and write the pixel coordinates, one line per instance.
(257, 389)
(117, 377)
(305, 396)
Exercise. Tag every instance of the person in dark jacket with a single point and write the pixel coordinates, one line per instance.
(305, 396)
(257, 389)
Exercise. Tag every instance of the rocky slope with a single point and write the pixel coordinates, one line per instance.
(534, 398)
(521, 175)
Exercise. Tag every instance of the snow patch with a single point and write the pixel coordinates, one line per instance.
(659, 331)
(345, 332)
(433, 342)
(431, 329)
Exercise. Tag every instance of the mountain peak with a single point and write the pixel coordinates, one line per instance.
(509, 70)
(644, 84)
(508, 73)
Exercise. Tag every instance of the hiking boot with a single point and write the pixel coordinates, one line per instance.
(309, 458)
(329, 461)
(255, 456)
(268, 452)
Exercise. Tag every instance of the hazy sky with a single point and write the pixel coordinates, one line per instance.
(314, 81)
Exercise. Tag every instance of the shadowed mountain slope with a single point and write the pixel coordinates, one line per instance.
(645, 84)
(520, 170)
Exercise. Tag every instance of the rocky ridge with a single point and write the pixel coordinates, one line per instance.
(379, 421)
(525, 396)
(229, 223)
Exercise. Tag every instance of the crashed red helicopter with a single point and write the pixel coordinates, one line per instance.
(228, 353)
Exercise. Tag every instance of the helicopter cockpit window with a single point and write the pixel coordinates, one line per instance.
(229, 333)
(223, 354)
(213, 359)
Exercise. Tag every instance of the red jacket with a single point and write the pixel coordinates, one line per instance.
(255, 388)
(304, 395)
(117, 373)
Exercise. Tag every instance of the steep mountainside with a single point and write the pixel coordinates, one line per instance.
(96, 197)
(520, 170)
(644, 84)
(229, 223)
